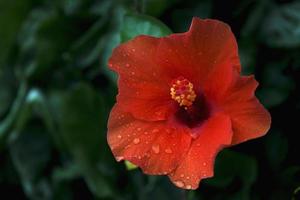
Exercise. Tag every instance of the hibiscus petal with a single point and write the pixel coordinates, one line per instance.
(153, 146)
(145, 100)
(142, 90)
(198, 163)
(206, 47)
(249, 118)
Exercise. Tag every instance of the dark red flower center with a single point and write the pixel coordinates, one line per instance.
(193, 108)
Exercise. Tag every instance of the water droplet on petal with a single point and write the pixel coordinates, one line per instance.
(136, 141)
(133, 50)
(168, 150)
(158, 113)
(179, 183)
(132, 73)
(119, 136)
(204, 164)
(155, 148)
(155, 130)
(181, 175)
(146, 133)
(127, 65)
(187, 177)
(188, 187)
(119, 158)
(139, 129)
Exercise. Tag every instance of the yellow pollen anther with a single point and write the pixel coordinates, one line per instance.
(182, 92)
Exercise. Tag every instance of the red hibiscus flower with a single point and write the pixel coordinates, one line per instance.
(181, 100)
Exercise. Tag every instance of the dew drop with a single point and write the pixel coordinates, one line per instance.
(127, 65)
(132, 73)
(158, 113)
(188, 177)
(188, 187)
(119, 136)
(179, 183)
(204, 164)
(146, 133)
(119, 158)
(168, 130)
(181, 175)
(155, 130)
(155, 148)
(139, 129)
(133, 50)
(136, 141)
(168, 150)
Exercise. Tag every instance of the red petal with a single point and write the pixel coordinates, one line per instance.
(218, 82)
(145, 100)
(198, 163)
(142, 90)
(209, 44)
(249, 118)
(153, 146)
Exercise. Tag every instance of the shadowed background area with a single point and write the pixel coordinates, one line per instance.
(56, 93)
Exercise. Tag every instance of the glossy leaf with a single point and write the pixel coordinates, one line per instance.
(134, 25)
(80, 121)
(281, 26)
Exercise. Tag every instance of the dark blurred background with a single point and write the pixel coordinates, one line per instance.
(56, 93)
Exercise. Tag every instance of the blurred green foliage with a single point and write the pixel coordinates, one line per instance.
(56, 93)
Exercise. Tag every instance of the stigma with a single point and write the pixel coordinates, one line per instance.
(182, 92)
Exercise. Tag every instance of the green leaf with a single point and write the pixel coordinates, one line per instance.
(247, 53)
(253, 22)
(80, 119)
(156, 7)
(6, 90)
(230, 167)
(182, 17)
(12, 14)
(31, 153)
(277, 85)
(130, 166)
(281, 27)
(276, 149)
(7, 124)
(43, 40)
(136, 24)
